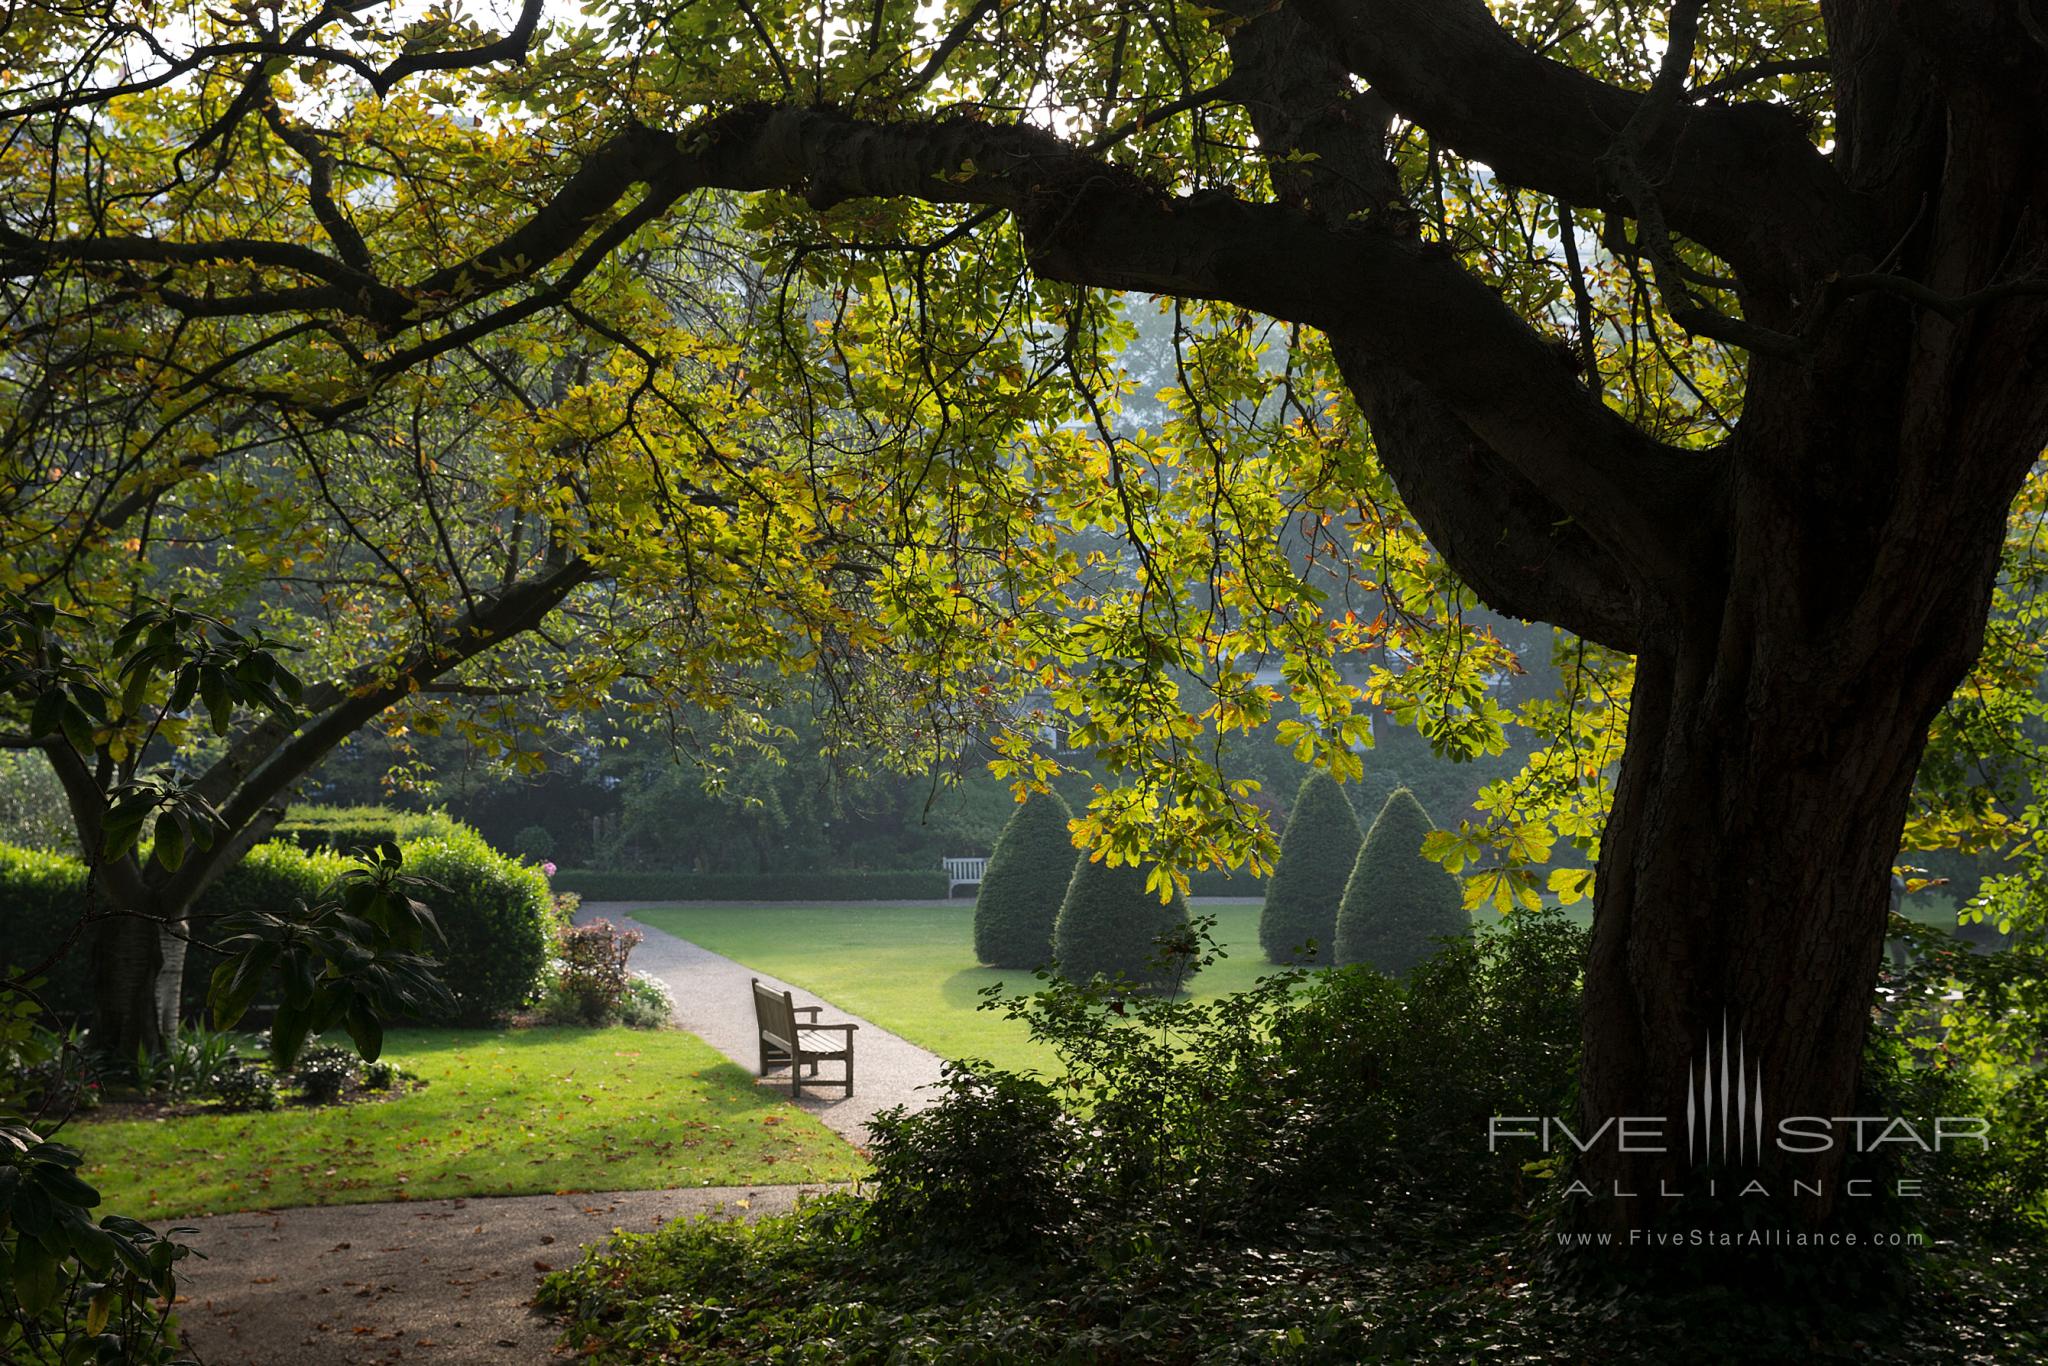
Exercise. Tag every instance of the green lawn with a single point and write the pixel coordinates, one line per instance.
(518, 1112)
(911, 969)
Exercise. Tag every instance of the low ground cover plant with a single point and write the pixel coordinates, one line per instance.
(1288, 1173)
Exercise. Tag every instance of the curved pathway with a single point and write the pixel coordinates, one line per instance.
(714, 1002)
(449, 1281)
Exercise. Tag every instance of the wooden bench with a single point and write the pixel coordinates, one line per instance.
(797, 1044)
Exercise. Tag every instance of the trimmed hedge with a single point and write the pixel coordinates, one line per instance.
(1398, 903)
(1109, 925)
(1316, 854)
(496, 912)
(1027, 879)
(41, 897)
(352, 829)
(654, 886)
(498, 918)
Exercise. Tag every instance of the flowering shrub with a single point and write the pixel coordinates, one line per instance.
(594, 976)
(647, 1003)
(246, 1086)
(325, 1072)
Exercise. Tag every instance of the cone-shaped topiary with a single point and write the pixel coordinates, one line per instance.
(1024, 883)
(1316, 854)
(1109, 924)
(1397, 903)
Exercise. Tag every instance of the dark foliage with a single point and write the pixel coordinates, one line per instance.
(1026, 881)
(42, 895)
(985, 1169)
(1397, 904)
(1316, 853)
(1111, 926)
(246, 1086)
(325, 1072)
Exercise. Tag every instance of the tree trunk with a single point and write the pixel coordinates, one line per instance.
(127, 958)
(1744, 883)
(169, 991)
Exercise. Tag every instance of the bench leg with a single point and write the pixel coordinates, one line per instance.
(849, 1069)
(796, 1075)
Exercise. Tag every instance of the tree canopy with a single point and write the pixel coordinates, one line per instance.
(794, 339)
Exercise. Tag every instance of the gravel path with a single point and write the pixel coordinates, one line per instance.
(431, 1281)
(714, 1002)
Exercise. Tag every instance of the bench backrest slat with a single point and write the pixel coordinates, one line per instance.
(775, 1012)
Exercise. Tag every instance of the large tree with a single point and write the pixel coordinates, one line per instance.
(1713, 335)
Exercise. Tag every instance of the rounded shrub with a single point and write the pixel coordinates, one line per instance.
(245, 1086)
(1109, 925)
(1316, 853)
(498, 919)
(1025, 883)
(1397, 903)
(534, 843)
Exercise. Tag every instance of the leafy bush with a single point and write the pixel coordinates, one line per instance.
(1109, 925)
(325, 1072)
(49, 1074)
(496, 916)
(273, 877)
(1316, 853)
(533, 843)
(246, 1086)
(1026, 881)
(679, 886)
(593, 972)
(984, 1170)
(190, 1061)
(1398, 904)
(382, 1075)
(72, 1289)
(647, 1003)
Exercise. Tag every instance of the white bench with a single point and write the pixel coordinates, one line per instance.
(963, 872)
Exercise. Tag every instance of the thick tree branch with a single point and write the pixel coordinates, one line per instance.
(1089, 223)
(348, 706)
(1507, 539)
(1743, 180)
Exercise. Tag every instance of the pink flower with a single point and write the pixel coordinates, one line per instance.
(548, 869)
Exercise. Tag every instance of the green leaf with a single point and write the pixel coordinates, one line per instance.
(367, 1031)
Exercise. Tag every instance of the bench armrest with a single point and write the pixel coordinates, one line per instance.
(849, 1028)
(811, 1011)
